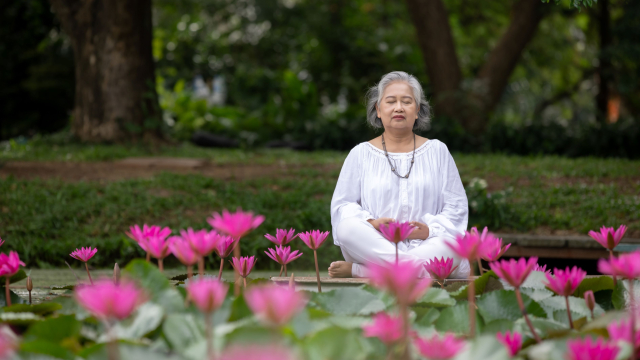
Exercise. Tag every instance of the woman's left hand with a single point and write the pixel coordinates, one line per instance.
(421, 231)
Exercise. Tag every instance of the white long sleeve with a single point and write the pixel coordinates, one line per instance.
(433, 193)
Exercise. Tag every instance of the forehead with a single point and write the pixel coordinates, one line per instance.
(398, 89)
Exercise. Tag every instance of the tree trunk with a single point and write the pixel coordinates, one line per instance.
(116, 98)
(431, 21)
(604, 69)
(470, 106)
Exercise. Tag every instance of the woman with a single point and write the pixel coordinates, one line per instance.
(398, 176)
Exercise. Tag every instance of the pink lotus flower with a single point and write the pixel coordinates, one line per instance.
(590, 300)
(274, 305)
(607, 237)
(106, 300)
(621, 331)
(282, 255)
(8, 342)
(511, 340)
(207, 294)
(515, 272)
(157, 246)
(10, 264)
(182, 250)
(400, 279)
(439, 269)
(243, 265)
(439, 348)
(396, 231)
(84, 254)
(236, 224)
(492, 249)
(565, 282)
(626, 265)
(225, 246)
(313, 239)
(203, 242)
(283, 237)
(467, 245)
(256, 352)
(138, 234)
(587, 349)
(542, 268)
(389, 329)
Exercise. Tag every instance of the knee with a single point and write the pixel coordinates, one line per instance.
(348, 229)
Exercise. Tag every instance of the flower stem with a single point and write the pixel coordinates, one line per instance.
(315, 257)
(88, 273)
(615, 279)
(285, 270)
(148, 257)
(236, 254)
(632, 315)
(396, 253)
(471, 297)
(566, 299)
(281, 269)
(160, 265)
(480, 266)
(526, 317)
(113, 352)
(7, 291)
(201, 266)
(209, 334)
(404, 311)
(221, 266)
(244, 282)
(189, 272)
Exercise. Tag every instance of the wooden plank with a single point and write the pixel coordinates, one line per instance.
(554, 252)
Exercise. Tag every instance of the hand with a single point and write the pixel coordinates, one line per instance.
(377, 222)
(421, 231)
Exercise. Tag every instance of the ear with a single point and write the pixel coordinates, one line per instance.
(378, 111)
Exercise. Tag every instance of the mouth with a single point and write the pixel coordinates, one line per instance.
(399, 117)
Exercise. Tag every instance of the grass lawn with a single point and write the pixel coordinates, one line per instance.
(45, 219)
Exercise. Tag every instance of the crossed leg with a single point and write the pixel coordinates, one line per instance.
(362, 244)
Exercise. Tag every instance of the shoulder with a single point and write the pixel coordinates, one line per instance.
(438, 147)
(357, 151)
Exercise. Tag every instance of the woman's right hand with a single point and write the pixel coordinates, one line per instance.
(379, 221)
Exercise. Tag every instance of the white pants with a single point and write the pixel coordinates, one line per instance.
(362, 244)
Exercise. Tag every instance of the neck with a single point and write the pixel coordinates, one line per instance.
(398, 138)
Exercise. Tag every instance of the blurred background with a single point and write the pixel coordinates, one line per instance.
(118, 112)
(521, 77)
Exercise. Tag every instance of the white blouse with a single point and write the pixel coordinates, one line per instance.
(433, 194)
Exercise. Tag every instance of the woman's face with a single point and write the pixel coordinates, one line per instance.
(398, 108)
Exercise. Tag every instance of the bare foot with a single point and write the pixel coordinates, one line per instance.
(340, 269)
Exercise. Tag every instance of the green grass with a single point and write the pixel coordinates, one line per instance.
(46, 219)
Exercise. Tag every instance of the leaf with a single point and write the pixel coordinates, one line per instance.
(21, 318)
(503, 305)
(594, 284)
(618, 298)
(39, 309)
(544, 327)
(337, 344)
(348, 301)
(239, 309)
(15, 298)
(601, 322)
(537, 294)
(183, 330)
(480, 283)
(155, 284)
(63, 287)
(46, 347)
(484, 347)
(20, 275)
(577, 306)
(126, 350)
(533, 281)
(456, 319)
(436, 298)
(54, 329)
(147, 318)
(603, 298)
(181, 277)
(426, 316)
(495, 326)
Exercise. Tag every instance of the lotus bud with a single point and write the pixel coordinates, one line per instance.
(29, 287)
(116, 274)
(590, 300)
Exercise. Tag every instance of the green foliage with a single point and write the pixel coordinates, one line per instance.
(502, 305)
(348, 301)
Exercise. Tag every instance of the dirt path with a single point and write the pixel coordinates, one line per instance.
(134, 168)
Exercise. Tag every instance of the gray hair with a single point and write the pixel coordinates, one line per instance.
(374, 97)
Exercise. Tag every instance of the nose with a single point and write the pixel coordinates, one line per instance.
(398, 107)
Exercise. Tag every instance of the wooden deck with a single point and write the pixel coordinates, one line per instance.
(562, 247)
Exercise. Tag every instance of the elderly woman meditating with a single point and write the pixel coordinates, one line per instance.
(401, 177)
